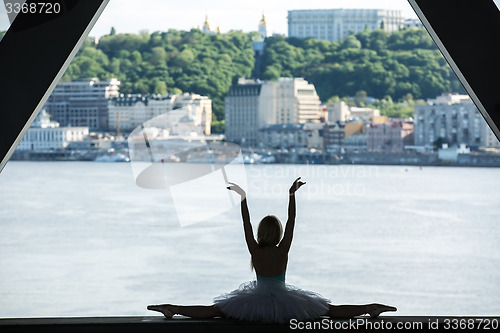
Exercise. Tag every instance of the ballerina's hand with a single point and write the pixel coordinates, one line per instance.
(236, 188)
(296, 185)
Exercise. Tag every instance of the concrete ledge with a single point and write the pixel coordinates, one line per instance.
(182, 324)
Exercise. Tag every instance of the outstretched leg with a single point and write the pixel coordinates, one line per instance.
(349, 311)
(193, 311)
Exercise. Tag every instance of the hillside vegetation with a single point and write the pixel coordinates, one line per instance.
(396, 69)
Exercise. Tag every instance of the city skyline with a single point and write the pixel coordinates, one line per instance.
(156, 15)
(228, 15)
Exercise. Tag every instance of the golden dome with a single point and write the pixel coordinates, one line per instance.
(206, 24)
(263, 20)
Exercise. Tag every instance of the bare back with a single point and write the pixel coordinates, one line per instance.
(269, 261)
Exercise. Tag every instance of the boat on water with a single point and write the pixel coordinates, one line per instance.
(248, 159)
(258, 159)
(119, 157)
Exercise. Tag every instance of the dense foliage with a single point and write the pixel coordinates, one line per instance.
(397, 64)
(173, 61)
(394, 68)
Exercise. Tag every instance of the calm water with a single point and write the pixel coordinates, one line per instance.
(81, 239)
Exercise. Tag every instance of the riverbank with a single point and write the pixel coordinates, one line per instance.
(286, 157)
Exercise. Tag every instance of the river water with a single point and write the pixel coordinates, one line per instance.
(82, 239)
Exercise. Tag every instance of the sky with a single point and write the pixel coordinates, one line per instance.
(158, 15)
(132, 16)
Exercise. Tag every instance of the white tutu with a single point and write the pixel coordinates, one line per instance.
(271, 301)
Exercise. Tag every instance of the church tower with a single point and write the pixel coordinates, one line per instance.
(206, 26)
(258, 47)
(263, 27)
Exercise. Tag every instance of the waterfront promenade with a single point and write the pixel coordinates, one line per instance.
(266, 156)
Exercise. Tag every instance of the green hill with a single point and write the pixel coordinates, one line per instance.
(402, 66)
(173, 61)
(404, 62)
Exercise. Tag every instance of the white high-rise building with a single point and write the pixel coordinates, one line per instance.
(413, 23)
(248, 107)
(45, 134)
(128, 112)
(198, 107)
(341, 112)
(335, 24)
(453, 118)
(296, 101)
(82, 102)
(488, 138)
(253, 104)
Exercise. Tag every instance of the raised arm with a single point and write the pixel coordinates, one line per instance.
(286, 242)
(245, 215)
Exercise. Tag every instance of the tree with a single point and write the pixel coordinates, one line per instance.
(361, 97)
(438, 143)
(184, 58)
(386, 67)
(332, 100)
(158, 56)
(351, 42)
(114, 67)
(217, 127)
(160, 87)
(136, 57)
(271, 73)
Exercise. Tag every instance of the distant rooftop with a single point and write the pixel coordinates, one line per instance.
(450, 98)
(283, 127)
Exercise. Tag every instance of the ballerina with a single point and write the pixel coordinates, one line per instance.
(269, 299)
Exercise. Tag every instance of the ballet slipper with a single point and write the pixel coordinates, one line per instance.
(163, 308)
(374, 310)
